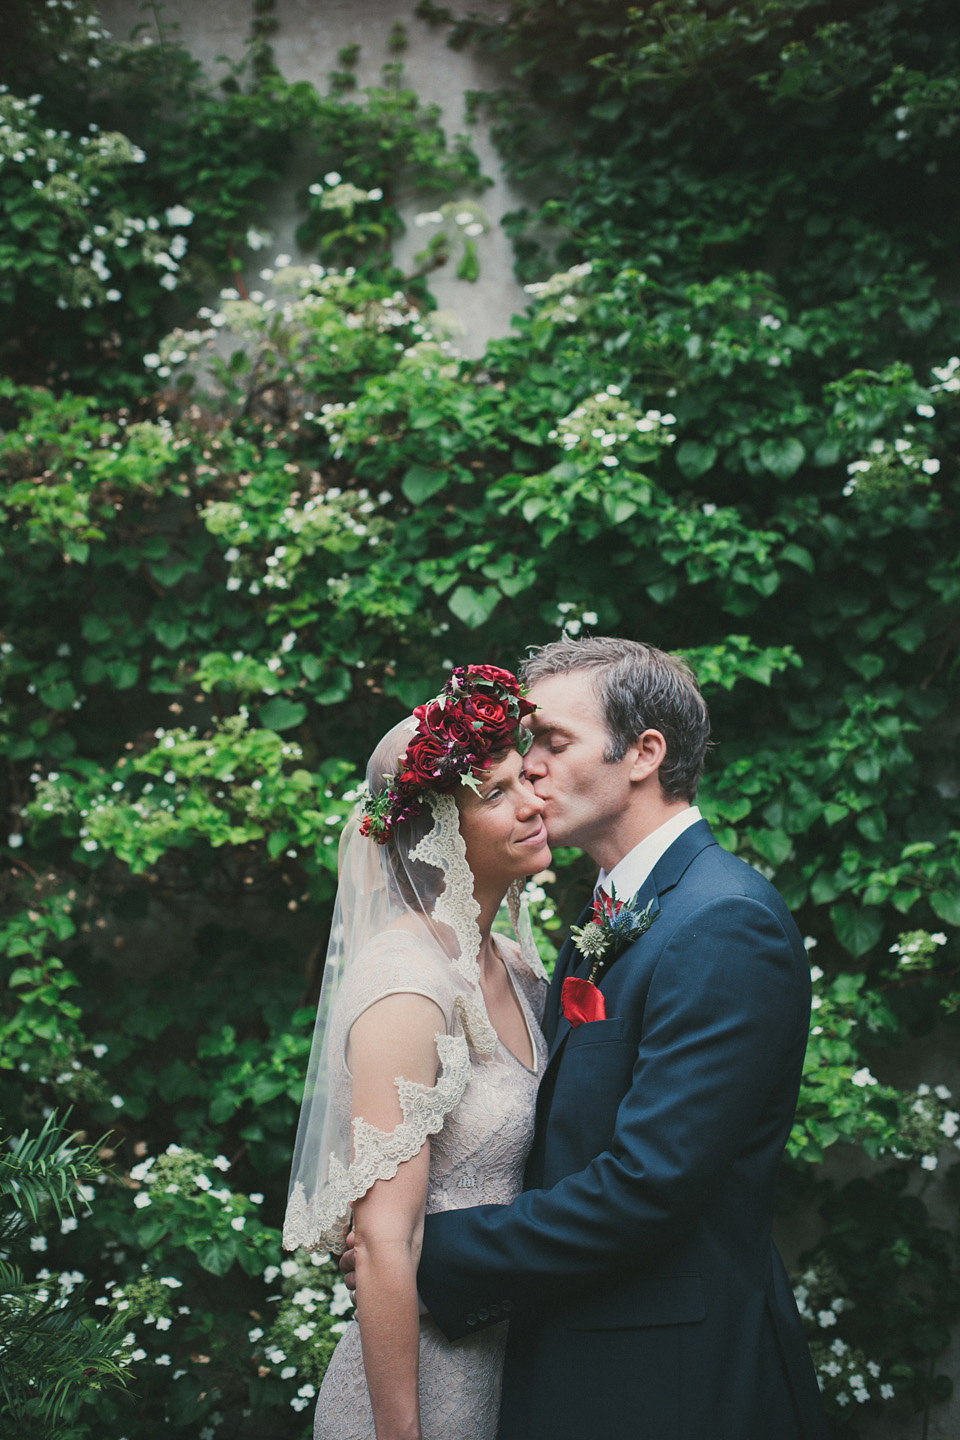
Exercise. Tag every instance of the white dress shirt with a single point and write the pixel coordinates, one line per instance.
(629, 873)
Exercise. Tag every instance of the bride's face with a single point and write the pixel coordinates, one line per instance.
(502, 826)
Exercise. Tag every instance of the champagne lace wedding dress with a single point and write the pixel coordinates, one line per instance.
(478, 1147)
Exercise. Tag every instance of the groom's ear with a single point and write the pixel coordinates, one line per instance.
(649, 753)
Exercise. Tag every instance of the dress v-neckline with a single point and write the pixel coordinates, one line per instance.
(530, 1069)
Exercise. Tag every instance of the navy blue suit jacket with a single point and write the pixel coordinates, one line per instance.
(645, 1293)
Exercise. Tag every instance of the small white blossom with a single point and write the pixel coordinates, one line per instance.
(341, 1300)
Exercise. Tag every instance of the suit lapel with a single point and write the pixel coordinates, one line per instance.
(666, 875)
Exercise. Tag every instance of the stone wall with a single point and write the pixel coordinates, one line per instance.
(306, 44)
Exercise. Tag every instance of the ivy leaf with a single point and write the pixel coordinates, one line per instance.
(336, 689)
(782, 458)
(695, 459)
(618, 509)
(773, 845)
(474, 607)
(533, 507)
(278, 841)
(420, 482)
(59, 696)
(797, 555)
(946, 905)
(282, 714)
(170, 636)
(216, 1255)
(857, 927)
(610, 109)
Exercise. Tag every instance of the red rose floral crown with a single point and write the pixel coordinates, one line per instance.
(478, 714)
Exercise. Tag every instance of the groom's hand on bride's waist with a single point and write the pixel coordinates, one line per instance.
(348, 1267)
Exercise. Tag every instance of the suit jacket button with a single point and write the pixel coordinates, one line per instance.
(506, 1306)
(483, 1314)
(494, 1312)
(471, 1319)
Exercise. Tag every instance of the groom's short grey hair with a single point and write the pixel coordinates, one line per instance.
(639, 688)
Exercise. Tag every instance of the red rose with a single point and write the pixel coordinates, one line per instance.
(454, 725)
(492, 712)
(423, 762)
(497, 676)
(430, 715)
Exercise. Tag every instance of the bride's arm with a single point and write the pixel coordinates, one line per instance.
(395, 1037)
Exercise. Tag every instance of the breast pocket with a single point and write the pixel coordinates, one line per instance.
(595, 1032)
(594, 1072)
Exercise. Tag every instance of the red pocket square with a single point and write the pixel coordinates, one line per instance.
(580, 1001)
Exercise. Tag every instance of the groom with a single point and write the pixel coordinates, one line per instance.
(646, 1296)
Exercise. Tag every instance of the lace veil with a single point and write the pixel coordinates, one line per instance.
(405, 920)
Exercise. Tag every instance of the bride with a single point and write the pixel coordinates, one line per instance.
(423, 1076)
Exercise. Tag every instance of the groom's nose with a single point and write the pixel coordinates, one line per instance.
(534, 763)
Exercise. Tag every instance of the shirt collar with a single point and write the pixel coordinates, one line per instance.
(631, 871)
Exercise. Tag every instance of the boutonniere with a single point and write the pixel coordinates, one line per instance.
(611, 929)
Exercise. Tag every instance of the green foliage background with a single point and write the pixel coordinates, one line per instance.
(243, 531)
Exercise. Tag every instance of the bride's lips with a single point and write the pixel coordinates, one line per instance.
(538, 837)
